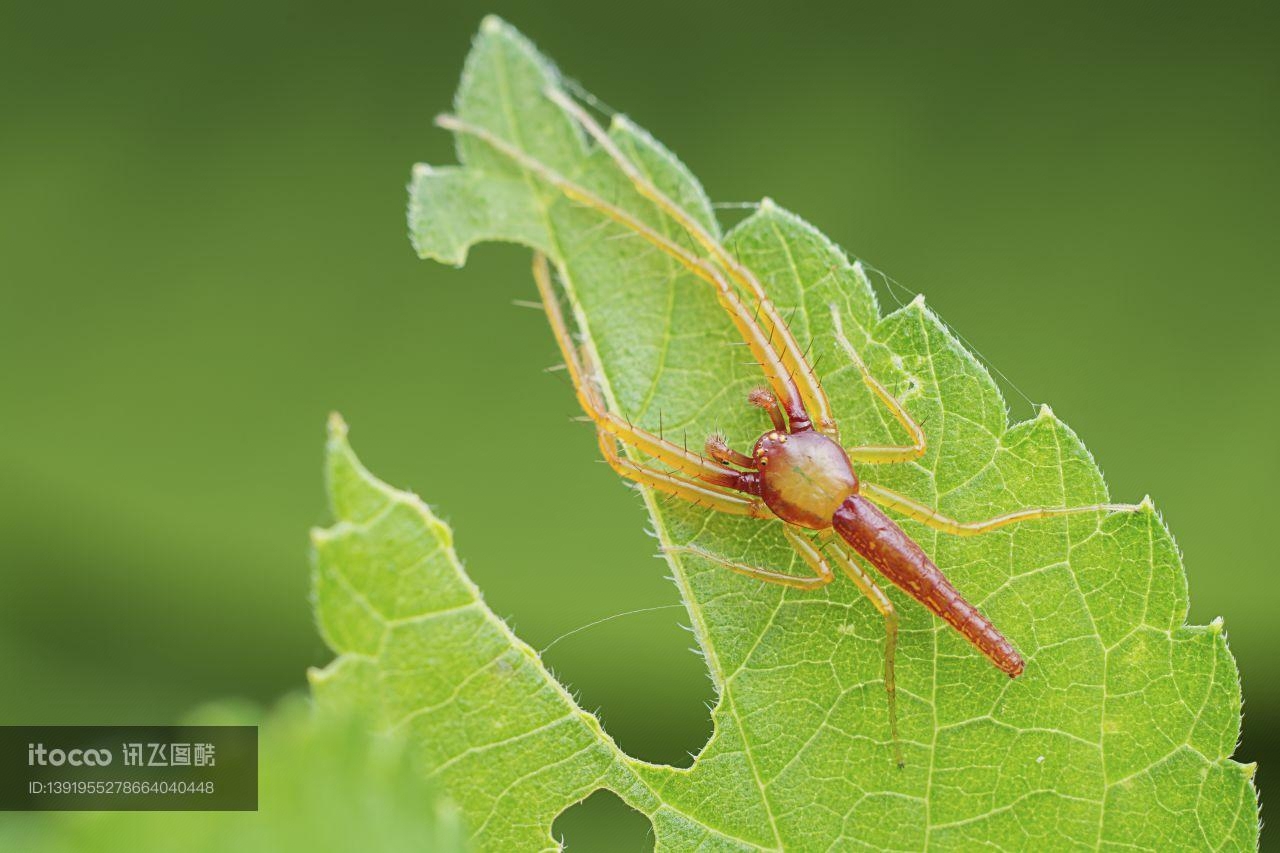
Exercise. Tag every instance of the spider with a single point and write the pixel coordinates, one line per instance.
(797, 471)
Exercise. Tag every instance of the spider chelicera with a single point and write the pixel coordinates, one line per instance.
(797, 472)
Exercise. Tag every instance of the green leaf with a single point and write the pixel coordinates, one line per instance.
(1119, 733)
(323, 784)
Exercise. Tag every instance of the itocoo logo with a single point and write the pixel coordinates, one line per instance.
(38, 755)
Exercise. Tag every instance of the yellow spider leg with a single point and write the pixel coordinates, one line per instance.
(659, 448)
(811, 555)
(695, 493)
(611, 429)
(815, 398)
(930, 516)
(775, 370)
(878, 454)
(868, 587)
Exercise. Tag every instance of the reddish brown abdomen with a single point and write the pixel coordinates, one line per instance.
(896, 555)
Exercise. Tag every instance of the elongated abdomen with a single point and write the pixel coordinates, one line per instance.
(884, 545)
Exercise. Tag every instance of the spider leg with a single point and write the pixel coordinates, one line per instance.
(712, 479)
(822, 570)
(880, 453)
(930, 516)
(868, 587)
(607, 422)
(689, 490)
(758, 339)
(815, 399)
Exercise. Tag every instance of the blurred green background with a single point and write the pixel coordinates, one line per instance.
(203, 251)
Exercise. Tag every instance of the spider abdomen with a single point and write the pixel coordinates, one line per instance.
(897, 556)
(804, 476)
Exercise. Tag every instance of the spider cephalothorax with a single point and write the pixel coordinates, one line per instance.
(804, 476)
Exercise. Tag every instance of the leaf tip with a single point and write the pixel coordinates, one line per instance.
(337, 427)
(767, 205)
(918, 302)
(1216, 626)
(315, 675)
(1250, 770)
(492, 24)
(1146, 504)
(1045, 413)
(421, 171)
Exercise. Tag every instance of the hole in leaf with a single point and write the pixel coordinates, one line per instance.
(603, 822)
(637, 673)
